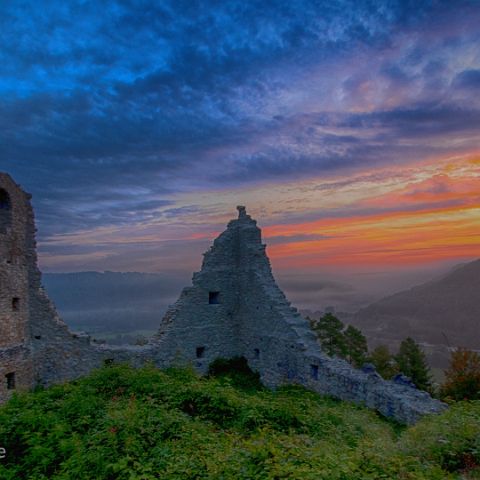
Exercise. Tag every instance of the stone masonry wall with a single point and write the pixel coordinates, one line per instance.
(260, 324)
(36, 347)
(233, 308)
(16, 369)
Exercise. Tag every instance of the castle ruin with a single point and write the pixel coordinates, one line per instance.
(233, 308)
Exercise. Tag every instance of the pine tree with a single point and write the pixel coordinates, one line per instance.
(329, 330)
(384, 362)
(411, 362)
(462, 378)
(356, 346)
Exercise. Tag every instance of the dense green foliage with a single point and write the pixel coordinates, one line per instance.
(121, 423)
(384, 362)
(356, 346)
(236, 371)
(462, 378)
(329, 330)
(350, 343)
(335, 339)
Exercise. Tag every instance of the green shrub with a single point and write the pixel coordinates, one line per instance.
(122, 423)
(237, 370)
(451, 440)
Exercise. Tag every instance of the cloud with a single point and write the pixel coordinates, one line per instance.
(109, 119)
(417, 120)
(468, 79)
(300, 238)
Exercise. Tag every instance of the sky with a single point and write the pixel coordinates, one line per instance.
(350, 129)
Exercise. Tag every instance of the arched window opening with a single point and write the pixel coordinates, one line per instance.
(5, 210)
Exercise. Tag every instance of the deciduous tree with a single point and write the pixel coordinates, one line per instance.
(462, 378)
(384, 362)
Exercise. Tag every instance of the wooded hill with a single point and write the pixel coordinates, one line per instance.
(443, 311)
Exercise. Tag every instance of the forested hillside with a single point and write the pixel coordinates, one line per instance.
(445, 310)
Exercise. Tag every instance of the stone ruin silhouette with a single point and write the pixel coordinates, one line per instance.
(233, 308)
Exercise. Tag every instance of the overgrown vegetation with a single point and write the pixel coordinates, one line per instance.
(462, 376)
(348, 343)
(384, 361)
(122, 423)
(411, 361)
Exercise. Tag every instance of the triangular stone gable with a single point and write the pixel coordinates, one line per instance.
(251, 317)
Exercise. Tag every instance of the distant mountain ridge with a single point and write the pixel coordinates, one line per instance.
(445, 310)
(112, 301)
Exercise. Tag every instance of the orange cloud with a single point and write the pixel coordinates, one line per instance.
(435, 190)
(425, 213)
(417, 221)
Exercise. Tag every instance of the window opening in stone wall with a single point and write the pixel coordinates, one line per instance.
(213, 298)
(5, 210)
(314, 371)
(38, 337)
(10, 380)
(200, 352)
(15, 304)
(108, 361)
(5, 203)
(256, 351)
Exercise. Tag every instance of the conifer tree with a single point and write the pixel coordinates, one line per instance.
(411, 361)
(329, 330)
(355, 346)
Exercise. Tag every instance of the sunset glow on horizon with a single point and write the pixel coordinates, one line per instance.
(425, 214)
(412, 222)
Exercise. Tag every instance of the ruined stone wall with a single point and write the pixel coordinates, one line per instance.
(16, 369)
(233, 308)
(36, 347)
(254, 319)
(203, 324)
(59, 354)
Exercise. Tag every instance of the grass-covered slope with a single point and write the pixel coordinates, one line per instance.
(121, 423)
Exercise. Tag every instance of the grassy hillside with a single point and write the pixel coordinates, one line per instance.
(121, 423)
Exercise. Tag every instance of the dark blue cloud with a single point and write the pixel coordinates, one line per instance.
(418, 120)
(468, 79)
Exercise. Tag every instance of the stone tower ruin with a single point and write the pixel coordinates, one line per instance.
(17, 249)
(36, 347)
(233, 308)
